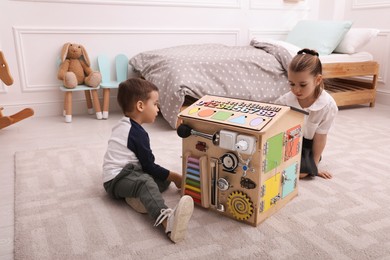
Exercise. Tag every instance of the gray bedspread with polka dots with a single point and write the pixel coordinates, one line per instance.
(255, 72)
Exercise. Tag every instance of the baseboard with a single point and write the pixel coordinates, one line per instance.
(383, 98)
(56, 108)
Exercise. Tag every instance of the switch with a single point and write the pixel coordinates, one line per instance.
(227, 139)
(245, 144)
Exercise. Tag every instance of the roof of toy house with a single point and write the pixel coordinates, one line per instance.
(236, 112)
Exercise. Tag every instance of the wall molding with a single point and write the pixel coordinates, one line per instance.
(108, 30)
(21, 51)
(384, 63)
(172, 3)
(278, 5)
(364, 4)
(273, 34)
(2, 88)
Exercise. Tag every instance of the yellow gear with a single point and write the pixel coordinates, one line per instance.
(240, 205)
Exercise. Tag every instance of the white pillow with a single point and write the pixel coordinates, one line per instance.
(355, 39)
(322, 36)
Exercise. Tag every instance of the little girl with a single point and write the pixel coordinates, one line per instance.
(307, 93)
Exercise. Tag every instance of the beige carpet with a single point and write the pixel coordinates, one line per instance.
(62, 211)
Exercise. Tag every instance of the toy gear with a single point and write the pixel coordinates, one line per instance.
(240, 205)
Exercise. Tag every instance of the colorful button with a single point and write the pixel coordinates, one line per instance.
(206, 113)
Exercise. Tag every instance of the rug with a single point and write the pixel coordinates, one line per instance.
(63, 212)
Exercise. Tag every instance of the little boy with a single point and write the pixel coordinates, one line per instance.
(129, 170)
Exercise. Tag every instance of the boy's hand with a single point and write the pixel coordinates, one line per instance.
(176, 178)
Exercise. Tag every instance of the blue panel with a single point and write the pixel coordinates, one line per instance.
(290, 174)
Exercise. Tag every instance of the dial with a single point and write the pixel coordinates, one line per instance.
(223, 184)
(229, 161)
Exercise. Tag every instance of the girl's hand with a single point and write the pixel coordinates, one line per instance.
(325, 175)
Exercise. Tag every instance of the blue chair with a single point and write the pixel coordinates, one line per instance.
(121, 68)
(91, 102)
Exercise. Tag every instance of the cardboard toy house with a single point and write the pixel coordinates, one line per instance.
(241, 158)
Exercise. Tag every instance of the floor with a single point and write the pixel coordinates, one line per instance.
(45, 132)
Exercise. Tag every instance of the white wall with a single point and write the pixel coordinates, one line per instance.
(366, 14)
(375, 14)
(33, 32)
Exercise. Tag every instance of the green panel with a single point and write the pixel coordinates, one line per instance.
(274, 152)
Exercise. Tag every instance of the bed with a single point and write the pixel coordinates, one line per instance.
(244, 72)
(255, 72)
(351, 82)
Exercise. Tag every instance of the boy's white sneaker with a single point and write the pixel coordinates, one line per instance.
(136, 204)
(177, 218)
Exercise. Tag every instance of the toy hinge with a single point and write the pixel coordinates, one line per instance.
(275, 199)
(265, 162)
(261, 206)
(265, 148)
(262, 191)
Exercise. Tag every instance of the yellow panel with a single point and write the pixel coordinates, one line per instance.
(272, 187)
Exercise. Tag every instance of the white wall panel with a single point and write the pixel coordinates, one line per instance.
(380, 48)
(33, 38)
(191, 3)
(2, 89)
(374, 14)
(278, 5)
(31, 49)
(362, 4)
(272, 34)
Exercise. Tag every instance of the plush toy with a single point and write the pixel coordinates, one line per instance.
(75, 67)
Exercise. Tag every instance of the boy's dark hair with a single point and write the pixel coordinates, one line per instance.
(133, 90)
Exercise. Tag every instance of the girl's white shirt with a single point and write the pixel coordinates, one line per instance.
(322, 113)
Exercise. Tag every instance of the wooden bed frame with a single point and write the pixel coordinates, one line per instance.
(344, 82)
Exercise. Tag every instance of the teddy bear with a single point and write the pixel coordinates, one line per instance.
(75, 67)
